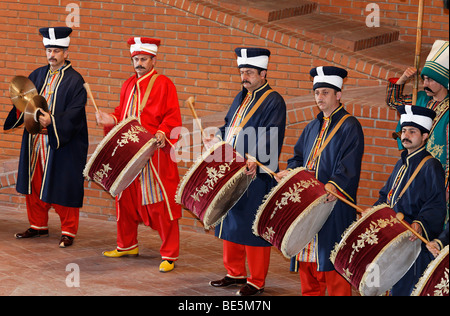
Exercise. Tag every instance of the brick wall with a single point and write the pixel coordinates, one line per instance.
(401, 14)
(197, 53)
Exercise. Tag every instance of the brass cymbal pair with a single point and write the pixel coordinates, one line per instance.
(26, 99)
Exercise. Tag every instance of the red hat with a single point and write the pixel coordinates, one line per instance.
(143, 45)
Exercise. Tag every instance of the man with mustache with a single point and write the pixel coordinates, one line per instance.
(435, 75)
(150, 198)
(51, 163)
(267, 124)
(423, 202)
(338, 166)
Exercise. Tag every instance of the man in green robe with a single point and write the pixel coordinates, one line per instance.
(435, 96)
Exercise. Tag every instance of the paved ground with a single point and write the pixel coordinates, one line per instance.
(38, 266)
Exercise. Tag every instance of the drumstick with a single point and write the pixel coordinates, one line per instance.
(88, 89)
(249, 157)
(400, 217)
(346, 201)
(190, 102)
(168, 141)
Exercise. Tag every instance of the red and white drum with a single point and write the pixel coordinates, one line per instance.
(434, 281)
(214, 183)
(293, 212)
(375, 252)
(120, 156)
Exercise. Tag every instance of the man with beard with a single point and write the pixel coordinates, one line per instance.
(423, 201)
(51, 162)
(150, 198)
(267, 124)
(435, 96)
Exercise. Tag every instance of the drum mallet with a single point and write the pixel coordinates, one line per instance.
(89, 92)
(253, 159)
(190, 102)
(400, 217)
(346, 201)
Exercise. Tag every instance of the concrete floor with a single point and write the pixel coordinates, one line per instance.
(38, 267)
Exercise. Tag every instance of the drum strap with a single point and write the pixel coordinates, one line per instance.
(147, 92)
(424, 160)
(335, 129)
(253, 110)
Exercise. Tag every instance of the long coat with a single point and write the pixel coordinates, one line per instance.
(63, 181)
(160, 113)
(265, 134)
(423, 202)
(339, 164)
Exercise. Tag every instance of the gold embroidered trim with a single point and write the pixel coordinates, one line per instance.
(213, 177)
(442, 288)
(370, 236)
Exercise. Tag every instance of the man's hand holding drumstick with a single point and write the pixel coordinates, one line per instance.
(104, 119)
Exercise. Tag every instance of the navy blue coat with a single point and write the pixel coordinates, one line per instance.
(443, 237)
(424, 202)
(339, 164)
(263, 143)
(68, 141)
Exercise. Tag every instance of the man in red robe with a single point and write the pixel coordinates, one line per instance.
(150, 198)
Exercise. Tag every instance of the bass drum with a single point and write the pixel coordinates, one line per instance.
(375, 252)
(121, 156)
(434, 281)
(214, 184)
(293, 212)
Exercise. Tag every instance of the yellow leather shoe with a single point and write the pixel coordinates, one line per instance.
(117, 254)
(165, 266)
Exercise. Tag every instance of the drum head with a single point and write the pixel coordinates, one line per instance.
(213, 184)
(225, 200)
(120, 156)
(375, 252)
(306, 226)
(390, 266)
(293, 212)
(133, 168)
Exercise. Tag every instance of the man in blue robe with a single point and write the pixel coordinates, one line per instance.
(51, 162)
(262, 137)
(338, 166)
(423, 203)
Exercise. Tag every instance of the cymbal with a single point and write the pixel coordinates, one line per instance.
(21, 90)
(31, 121)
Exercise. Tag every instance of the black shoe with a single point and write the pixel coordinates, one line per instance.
(31, 233)
(249, 290)
(65, 241)
(227, 281)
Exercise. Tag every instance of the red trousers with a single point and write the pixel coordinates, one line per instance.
(258, 259)
(38, 210)
(131, 212)
(315, 283)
